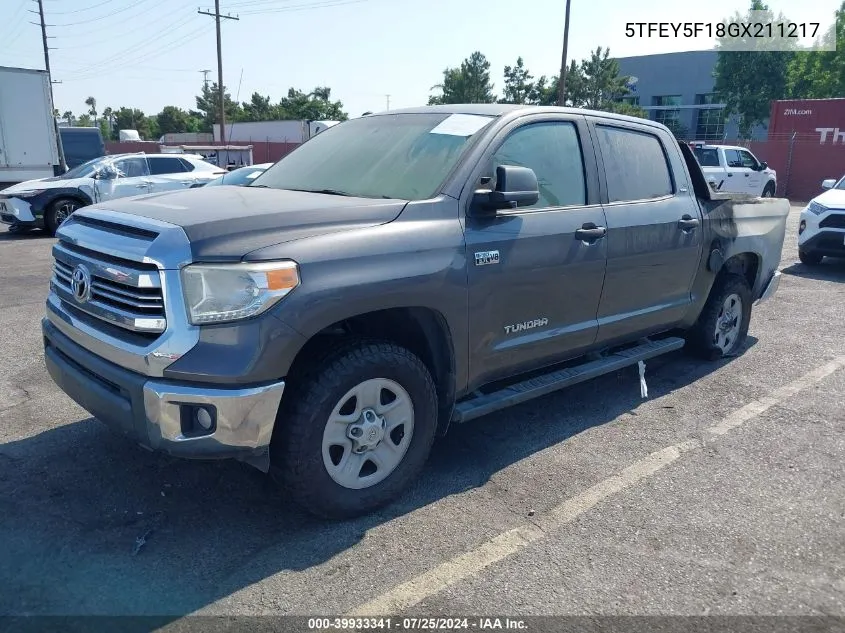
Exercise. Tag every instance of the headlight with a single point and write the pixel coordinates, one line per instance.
(217, 293)
(27, 194)
(816, 208)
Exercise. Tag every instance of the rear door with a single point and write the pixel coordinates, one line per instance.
(654, 232)
(534, 286)
(168, 173)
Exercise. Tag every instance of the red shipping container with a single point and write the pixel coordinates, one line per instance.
(819, 120)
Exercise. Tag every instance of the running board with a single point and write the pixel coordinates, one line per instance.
(544, 384)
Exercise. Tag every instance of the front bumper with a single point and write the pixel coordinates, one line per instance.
(830, 242)
(157, 414)
(771, 288)
(17, 212)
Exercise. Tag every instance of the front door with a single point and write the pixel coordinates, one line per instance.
(754, 177)
(654, 233)
(534, 284)
(738, 175)
(133, 179)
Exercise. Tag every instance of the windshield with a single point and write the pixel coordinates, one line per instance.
(840, 184)
(82, 171)
(242, 176)
(402, 156)
(707, 156)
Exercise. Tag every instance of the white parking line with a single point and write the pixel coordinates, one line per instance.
(512, 541)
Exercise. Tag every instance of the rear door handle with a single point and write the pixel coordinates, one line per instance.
(589, 232)
(688, 223)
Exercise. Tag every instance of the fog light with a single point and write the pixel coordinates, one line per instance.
(802, 226)
(204, 418)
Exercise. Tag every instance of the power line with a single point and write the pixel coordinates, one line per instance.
(304, 7)
(222, 92)
(108, 15)
(82, 9)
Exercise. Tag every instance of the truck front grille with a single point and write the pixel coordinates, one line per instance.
(119, 292)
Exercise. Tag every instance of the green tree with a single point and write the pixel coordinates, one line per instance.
(91, 102)
(602, 83)
(172, 119)
(469, 83)
(84, 120)
(104, 129)
(820, 74)
(747, 81)
(258, 108)
(68, 116)
(316, 105)
(208, 105)
(520, 86)
(134, 119)
(631, 110)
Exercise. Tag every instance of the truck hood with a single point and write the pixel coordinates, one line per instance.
(227, 222)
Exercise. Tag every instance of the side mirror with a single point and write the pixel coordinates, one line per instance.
(764, 165)
(830, 183)
(105, 174)
(515, 187)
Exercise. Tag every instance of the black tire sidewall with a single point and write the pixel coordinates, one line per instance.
(300, 460)
(771, 188)
(701, 337)
(50, 216)
(809, 258)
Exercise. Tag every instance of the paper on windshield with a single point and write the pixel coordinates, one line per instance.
(461, 125)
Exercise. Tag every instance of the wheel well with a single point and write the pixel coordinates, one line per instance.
(69, 196)
(422, 331)
(745, 264)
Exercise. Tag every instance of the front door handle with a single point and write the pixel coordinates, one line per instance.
(688, 223)
(589, 232)
(143, 185)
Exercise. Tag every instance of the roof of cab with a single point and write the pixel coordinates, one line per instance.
(501, 109)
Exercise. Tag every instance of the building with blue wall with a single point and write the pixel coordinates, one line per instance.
(676, 89)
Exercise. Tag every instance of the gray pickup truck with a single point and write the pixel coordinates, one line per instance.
(396, 274)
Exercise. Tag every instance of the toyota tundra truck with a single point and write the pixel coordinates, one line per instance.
(397, 274)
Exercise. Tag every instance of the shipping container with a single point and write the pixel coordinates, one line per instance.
(272, 131)
(819, 120)
(29, 148)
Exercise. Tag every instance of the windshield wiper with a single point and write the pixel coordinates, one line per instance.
(330, 192)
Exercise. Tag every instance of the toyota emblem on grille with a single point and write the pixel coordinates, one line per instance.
(80, 283)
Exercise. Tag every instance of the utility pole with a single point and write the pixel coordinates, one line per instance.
(205, 77)
(561, 95)
(59, 148)
(220, 89)
(388, 101)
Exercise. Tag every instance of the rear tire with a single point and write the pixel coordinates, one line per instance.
(722, 326)
(59, 211)
(809, 258)
(334, 428)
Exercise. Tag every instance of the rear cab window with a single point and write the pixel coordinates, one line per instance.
(635, 163)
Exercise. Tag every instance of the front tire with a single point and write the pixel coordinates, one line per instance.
(356, 431)
(59, 211)
(809, 258)
(769, 190)
(722, 326)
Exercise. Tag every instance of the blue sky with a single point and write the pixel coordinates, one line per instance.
(149, 53)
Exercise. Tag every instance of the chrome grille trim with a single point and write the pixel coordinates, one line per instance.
(124, 295)
(113, 245)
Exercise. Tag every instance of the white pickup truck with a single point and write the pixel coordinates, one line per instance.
(733, 169)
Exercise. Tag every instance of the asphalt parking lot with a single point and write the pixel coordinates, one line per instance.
(722, 493)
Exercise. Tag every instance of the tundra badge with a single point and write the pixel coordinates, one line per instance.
(482, 258)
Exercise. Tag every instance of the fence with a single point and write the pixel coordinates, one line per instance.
(262, 151)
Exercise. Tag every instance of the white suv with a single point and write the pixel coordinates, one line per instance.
(47, 202)
(735, 170)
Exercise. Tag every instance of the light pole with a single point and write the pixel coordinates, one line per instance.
(561, 94)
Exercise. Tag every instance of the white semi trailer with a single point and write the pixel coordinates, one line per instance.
(29, 148)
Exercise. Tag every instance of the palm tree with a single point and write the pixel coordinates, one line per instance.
(91, 102)
(68, 116)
